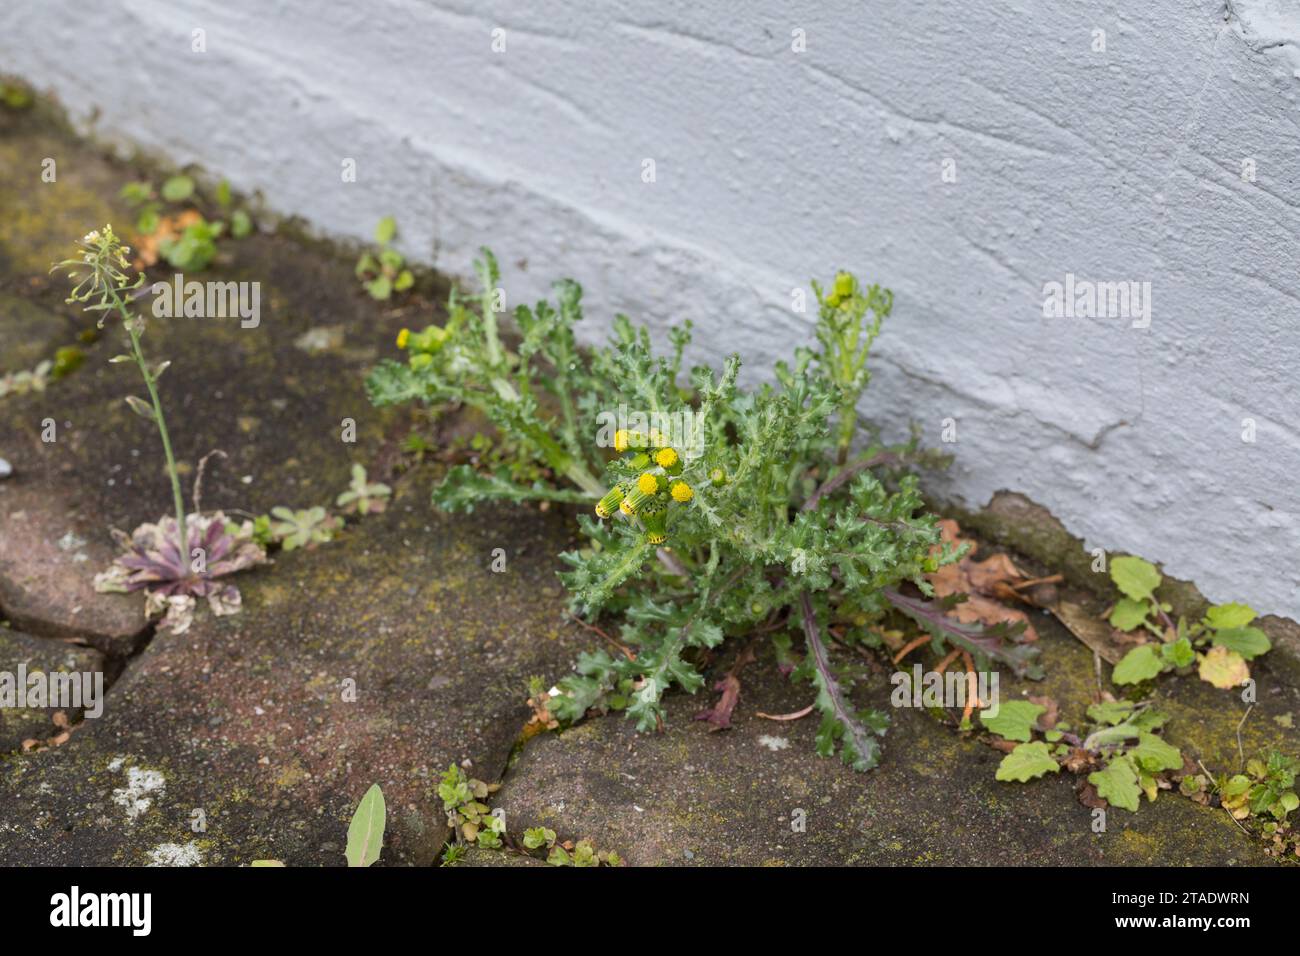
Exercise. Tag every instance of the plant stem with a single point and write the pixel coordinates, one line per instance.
(848, 425)
(556, 457)
(832, 484)
(865, 749)
(150, 383)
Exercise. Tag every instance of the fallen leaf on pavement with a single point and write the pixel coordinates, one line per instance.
(169, 227)
(1087, 794)
(1048, 718)
(1096, 634)
(1223, 668)
(984, 581)
(719, 715)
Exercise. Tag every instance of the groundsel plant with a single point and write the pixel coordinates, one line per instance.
(766, 527)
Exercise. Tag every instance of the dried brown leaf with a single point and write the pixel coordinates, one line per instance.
(984, 581)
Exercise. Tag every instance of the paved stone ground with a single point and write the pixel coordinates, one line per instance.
(731, 797)
(36, 655)
(234, 742)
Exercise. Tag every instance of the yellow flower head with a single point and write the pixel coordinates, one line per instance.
(681, 491)
(648, 483)
(403, 337)
(666, 457)
(621, 440)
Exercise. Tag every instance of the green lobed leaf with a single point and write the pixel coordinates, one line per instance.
(1154, 754)
(241, 226)
(1015, 720)
(1229, 615)
(1128, 614)
(1110, 712)
(178, 189)
(1117, 783)
(1142, 663)
(1148, 719)
(1136, 578)
(1026, 762)
(1179, 653)
(1249, 642)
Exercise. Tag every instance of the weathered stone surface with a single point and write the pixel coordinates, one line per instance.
(50, 550)
(689, 796)
(245, 717)
(29, 333)
(276, 410)
(34, 229)
(479, 858)
(29, 654)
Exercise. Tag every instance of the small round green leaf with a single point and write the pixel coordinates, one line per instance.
(1142, 663)
(178, 189)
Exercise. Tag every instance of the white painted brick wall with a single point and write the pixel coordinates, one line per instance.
(774, 166)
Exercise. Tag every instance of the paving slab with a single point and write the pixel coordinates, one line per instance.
(243, 718)
(382, 657)
(51, 548)
(290, 419)
(30, 333)
(21, 656)
(478, 858)
(757, 795)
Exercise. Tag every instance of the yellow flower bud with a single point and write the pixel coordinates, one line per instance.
(635, 499)
(403, 337)
(843, 285)
(681, 491)
(653, 520)
(611, 500)
(621, 440)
